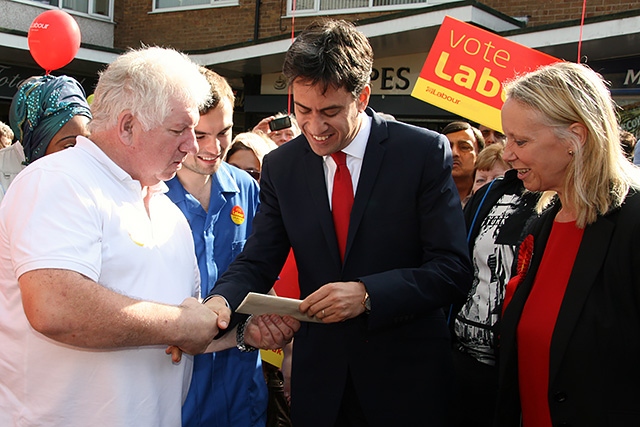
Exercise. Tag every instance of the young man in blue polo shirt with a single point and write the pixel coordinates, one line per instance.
(219, 201)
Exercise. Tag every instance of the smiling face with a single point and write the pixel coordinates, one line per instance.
(533, 148)
(214, 138)
(157, 153)
(329, 120)
(66, 136)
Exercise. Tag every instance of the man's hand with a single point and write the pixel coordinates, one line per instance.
(270, 331)
(219, 306)
(263, 125)
(203, 324)
(335, 302)
(199, 326)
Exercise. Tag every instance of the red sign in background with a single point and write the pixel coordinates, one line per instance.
(466, 68)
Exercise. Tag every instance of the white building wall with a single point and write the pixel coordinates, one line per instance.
(17, 15)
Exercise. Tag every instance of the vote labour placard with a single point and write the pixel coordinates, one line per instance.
(466, 67)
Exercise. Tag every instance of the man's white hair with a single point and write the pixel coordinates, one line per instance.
(145, 82)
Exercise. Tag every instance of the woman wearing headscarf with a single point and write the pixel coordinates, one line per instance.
(46, 115)
(570, 333)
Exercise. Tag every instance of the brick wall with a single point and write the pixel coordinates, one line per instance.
(218, 27)
(204, 28)
(541, 12)
(189, 30)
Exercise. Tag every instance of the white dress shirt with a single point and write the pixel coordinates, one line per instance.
(355, 154)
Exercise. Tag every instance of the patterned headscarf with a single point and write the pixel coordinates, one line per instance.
(41, 107)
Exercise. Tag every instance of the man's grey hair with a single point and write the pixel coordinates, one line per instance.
(146, 81)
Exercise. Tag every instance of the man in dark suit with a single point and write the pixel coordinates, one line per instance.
(381, 355)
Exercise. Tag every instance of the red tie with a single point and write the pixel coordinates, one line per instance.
(341, 200)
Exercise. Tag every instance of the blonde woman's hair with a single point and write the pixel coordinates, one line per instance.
(489, 156)
(255, 141)
(598, 177)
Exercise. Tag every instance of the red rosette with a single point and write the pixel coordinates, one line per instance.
(525, 253)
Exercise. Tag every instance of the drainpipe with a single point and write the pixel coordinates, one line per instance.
(256, 24)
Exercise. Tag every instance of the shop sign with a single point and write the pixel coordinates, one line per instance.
(11, 77)
(394, 75)
(466, 67)
(630, 118)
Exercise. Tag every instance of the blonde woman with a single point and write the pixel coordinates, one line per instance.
(570, 333)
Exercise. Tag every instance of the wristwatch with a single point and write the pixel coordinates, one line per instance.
(366, 302)
(240, 344)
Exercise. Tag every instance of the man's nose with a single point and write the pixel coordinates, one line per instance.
(316, 124)
(190, 143)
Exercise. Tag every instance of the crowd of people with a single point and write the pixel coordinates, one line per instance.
(468, 277)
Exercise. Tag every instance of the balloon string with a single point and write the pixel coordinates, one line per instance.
(584, 9)
(293, 21)
(47, 72)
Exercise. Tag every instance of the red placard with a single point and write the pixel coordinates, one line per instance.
(466, 67)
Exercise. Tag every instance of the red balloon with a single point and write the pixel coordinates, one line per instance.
(54, 39)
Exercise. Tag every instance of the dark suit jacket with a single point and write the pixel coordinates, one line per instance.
(405, 242)
(594, 377)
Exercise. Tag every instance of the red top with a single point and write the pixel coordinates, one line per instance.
(287, 283)
(538, 321)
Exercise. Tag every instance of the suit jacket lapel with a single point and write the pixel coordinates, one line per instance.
(318, 191)
(371, 163)
(591, 255)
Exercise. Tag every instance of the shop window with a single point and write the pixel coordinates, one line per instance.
(313, 7)
(100, 8)
(173, 5)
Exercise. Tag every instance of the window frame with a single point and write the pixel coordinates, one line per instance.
(211, 5)
(316, 11)
(108, 18)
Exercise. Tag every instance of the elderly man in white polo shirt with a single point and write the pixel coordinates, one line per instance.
(97, 268)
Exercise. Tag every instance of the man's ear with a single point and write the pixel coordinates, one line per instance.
(363, 98)
(126, 121)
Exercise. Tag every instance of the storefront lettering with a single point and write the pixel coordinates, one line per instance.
(391, 79)
(7, 80)
(632, 77)
(11, 77)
